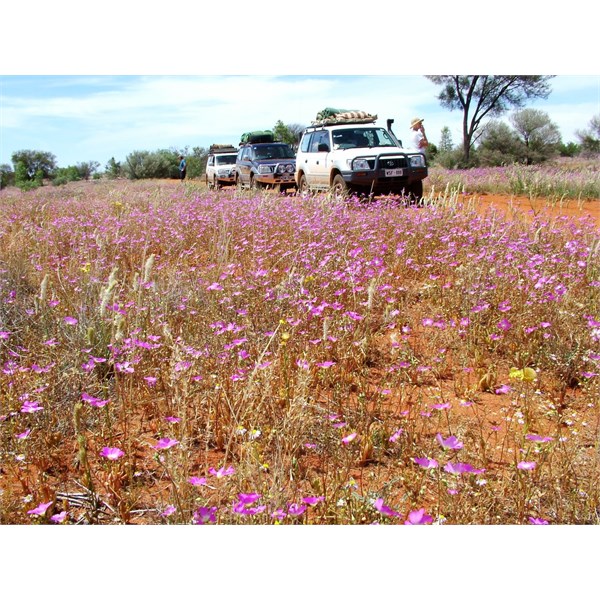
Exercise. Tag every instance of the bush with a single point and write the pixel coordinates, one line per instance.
(65, 175)
(7, 176)
(162, 164)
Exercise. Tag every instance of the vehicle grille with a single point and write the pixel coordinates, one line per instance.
(395, 162)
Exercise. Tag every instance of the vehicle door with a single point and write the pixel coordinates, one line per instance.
(316, 159)
(244, 165)
(210, 167)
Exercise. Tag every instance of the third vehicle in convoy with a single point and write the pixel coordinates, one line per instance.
(345, 152)
(220, 165)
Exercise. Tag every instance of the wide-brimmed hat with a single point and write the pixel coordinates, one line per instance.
(416, 121)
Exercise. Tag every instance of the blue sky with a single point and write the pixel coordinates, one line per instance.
(82, 118)
(99, 81)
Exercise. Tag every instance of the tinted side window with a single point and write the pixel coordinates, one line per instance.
(304, 144)
(319, 137)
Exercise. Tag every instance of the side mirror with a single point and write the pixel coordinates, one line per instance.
(322, 148)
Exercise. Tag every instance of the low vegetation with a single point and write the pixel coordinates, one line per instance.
(174, 355)
(557, 181)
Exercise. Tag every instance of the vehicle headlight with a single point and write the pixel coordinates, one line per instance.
(289, 168)
(360, 164)
(265, 169)
(418, 160)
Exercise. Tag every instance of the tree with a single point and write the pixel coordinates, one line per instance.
(196, 162)
(87, 169)
(7, 176)
(499, 145)
(113, 169)
(590, 137)
(289, 134)
(569, 149)
(446, 143)
(33, 163)
(483, 96)
(540, 136)
(142, 164)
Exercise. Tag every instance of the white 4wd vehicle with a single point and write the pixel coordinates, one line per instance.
(348, 153)
(220, 166)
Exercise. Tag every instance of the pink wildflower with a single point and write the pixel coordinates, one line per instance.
(197, 481)
(222, 472)
(112, 453)
(526, 465)
(418, 517)
(59, 517)
(165, 443)
(383, 509)
(313, 500)
(40, 509)
(450, 442)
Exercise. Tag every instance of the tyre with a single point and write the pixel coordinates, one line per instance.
(216, 184)
(238, 182)
(415, 192)
(303, 185)
(339, 188)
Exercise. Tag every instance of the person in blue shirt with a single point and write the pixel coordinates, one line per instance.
(182, 167)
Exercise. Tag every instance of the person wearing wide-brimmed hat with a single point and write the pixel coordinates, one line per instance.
(419, 138)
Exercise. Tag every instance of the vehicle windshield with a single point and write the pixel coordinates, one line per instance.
(362, 138)
(276, 151)
(225, 159)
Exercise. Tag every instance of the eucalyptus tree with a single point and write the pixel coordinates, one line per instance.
(480, 97)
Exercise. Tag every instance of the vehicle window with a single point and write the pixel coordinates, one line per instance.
(304, 144)
(361, 138)
(276, 151)
(225, 160)
(319, 137)
(211, 161)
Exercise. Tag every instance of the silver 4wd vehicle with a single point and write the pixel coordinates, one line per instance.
(220, 166)
(347, 152)
(262, 162)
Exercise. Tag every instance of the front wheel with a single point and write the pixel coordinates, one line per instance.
(303, 185)
(415, 192)
(339, 188)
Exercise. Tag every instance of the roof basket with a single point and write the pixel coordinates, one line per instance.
(257, 137)
(340, 116)
(221, 148)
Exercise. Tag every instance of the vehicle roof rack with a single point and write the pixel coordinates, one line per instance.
(340, 116)
(257, 137)
(221, 148)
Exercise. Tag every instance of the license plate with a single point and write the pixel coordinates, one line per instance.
(393, 172)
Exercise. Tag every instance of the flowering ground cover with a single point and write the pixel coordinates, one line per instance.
(171, 354)
(557, 181)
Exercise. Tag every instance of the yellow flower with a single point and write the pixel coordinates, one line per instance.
(86, 267)
(285, 336)
(526, 374)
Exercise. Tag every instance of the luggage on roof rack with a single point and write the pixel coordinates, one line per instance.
(331, 116)
(257, 137)
(221, 148)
